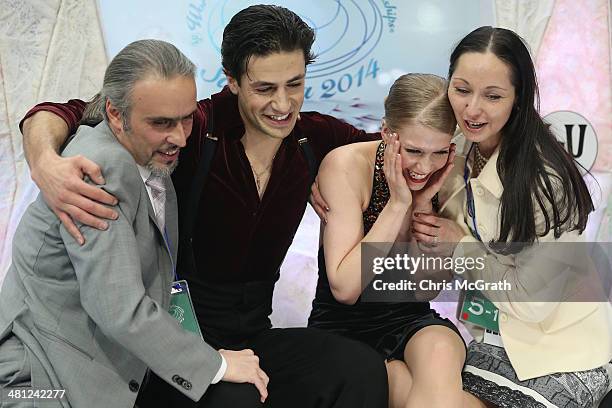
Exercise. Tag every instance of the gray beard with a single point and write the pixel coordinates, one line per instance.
(162, 172)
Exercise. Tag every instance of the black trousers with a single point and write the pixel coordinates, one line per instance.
(307, 368)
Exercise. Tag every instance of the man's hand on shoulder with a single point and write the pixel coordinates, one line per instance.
(243, 367)
(317, 201)
(61, 181)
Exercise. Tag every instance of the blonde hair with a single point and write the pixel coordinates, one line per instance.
(419, 99)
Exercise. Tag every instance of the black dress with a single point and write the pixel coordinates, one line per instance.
(386, 327)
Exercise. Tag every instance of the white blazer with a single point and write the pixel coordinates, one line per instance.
(539, 337)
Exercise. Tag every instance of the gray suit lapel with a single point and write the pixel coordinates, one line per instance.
(152, 211)
(172, 217)
(170, 200)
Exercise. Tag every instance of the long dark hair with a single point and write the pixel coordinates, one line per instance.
(532, 164)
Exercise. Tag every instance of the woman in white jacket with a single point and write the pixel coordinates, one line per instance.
(515, 199)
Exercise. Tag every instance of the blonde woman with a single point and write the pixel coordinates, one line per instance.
(372, 189)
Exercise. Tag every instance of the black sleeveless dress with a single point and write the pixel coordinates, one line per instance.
(386, 327)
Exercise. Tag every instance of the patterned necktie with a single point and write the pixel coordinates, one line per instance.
(158, 194)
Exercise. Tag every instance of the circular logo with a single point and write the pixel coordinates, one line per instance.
(347, 33)
(576, 134)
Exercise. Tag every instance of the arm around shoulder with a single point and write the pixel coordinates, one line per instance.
(60, 179)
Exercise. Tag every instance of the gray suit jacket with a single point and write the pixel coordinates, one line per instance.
(94, 317)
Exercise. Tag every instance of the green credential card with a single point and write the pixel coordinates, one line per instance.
(478, 310)
(181, 307)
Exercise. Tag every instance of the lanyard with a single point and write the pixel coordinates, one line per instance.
(471, 209)
(168, 246)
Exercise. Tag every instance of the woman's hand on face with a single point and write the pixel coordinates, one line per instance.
(438, 235)
(423, 197)
(398, 188)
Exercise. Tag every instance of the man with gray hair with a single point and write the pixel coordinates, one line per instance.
(81, 325)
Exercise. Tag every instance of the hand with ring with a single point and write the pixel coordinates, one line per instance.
(436, 235)
(426, 247)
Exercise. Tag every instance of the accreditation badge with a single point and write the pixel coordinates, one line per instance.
(478, 310)
(181, 307)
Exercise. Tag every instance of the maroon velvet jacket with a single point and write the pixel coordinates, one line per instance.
(239, 240)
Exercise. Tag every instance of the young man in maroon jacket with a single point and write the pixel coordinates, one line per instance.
(252, 201)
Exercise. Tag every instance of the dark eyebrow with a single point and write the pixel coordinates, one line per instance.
(191, 114)
(264, 83)
(297, 78)
(496, 87)
(154, 118)
(460, 79)
(488, 87)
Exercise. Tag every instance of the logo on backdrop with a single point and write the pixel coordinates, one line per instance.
(347, 33)
(361, 46)
(576, 134)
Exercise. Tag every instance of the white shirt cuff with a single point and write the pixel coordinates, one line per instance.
(221, 371)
